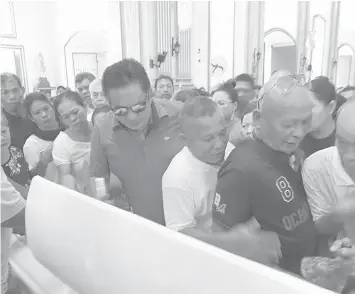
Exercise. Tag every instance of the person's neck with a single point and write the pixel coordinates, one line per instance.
(83, 131)
(325, 130)
(51, 127)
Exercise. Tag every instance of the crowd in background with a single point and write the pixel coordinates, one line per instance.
(263, 172)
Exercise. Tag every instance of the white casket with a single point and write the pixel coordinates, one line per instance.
(96, 248)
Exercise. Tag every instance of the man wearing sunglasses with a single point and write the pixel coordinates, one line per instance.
(262, 179)
(137, 139)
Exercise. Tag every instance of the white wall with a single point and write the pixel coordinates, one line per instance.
(36, 30)
(45, 27)
(222, 34)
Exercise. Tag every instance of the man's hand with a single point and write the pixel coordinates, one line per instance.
(249, 241)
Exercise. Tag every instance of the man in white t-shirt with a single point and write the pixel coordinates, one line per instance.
(329, 180)
(189, 183)
(12, 208)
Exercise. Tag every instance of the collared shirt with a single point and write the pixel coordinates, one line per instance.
(326, 182)
(189, 186)
(139, 163)
(257, 181)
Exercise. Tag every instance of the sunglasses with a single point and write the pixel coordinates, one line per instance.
(136, 108)
(286, 85)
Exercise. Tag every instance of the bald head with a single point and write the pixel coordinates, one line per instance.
(284, 118)
(97, 95)
(275, 102)
(95, 86)
(346, 121)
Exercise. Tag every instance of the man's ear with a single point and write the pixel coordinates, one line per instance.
(256, 117)
(331, 106)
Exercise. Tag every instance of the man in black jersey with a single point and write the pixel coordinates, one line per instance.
(261, 178)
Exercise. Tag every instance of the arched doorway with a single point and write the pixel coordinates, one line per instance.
(86, 51)
(280, 52)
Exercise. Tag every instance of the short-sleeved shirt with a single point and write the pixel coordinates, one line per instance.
(77, 154)
(310, 145)
(20, 129)
(33, 149)
(189, 186)
(11, 204)
(257, 181)
(138, 163)
(16, 168)
(326, 182)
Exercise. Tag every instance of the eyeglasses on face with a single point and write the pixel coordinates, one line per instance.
(285, 85)
(136, 108)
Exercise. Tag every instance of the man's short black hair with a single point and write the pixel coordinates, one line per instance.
(244, 77)
(5, 76)
(163, 77)
(84, 76)
(123, 73)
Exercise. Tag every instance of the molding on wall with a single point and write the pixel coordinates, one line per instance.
(23, 62)
(13, 34)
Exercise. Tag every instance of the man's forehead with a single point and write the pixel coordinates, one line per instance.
(10, 83)
(83, 83)
(95, 86)
(164, 82)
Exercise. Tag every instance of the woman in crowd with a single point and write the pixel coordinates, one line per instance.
(71, 148)
(226, 98)
(38, 147)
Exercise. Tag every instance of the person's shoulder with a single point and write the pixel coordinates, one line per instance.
(62, 139)
(178, 167)
(171, 107)
(321, 159)
(240, 159)
(243, 150)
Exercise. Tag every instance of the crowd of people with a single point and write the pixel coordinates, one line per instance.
(267, 173)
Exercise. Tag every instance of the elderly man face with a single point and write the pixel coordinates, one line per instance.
(97, 95)
(206, 134)
(285, 114)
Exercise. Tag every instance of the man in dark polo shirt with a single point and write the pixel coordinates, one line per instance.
(137, 139)
(322, 132)
(261, 178)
